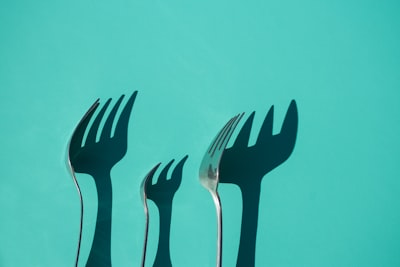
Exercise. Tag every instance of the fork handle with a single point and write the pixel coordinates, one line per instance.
(218, 208)
(248, 234)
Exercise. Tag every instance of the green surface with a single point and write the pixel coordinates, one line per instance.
(335, 202)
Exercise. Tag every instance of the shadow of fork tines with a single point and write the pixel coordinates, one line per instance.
(97, 158)
(246, 166)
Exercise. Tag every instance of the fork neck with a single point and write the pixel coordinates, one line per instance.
(248, 235)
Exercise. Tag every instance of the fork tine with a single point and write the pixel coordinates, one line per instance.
(121, 130)
(176, 176)
(221, 133)
(225, 135)
(91, 137)
(77, 136)
(242, 138)
(106, 133)
(266, 129)
(231, 130)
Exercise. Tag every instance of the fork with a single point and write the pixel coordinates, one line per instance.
(97, 158)
(143, 194)
(246, 166)
(71, 151)
(209, 173)
(162, 193)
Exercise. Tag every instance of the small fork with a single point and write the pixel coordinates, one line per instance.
(143, 195)
(209, 173)
(161, 193)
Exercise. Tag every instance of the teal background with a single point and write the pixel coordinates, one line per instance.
(335, 202)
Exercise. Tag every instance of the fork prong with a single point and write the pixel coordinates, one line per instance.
(231, 130)
(242, 139)
(106, 132)
(121, 130)
(215, 142)
(226, 133)
(224, 138)
(266, 129)
(91, 137)
(77, 136)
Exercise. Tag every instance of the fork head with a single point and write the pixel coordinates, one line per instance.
(209, 167)
(143, 186)
(143, 195)
(74, 143)
(91, 156)
(145, 182)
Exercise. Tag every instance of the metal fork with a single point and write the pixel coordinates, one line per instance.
(72, 153)
(97, 158)
(162, 193)
(143, 194)
(246, 166)
(209, 173)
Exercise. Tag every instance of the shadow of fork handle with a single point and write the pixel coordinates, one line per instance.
(100, 253)
(163, 258)
(248, 234)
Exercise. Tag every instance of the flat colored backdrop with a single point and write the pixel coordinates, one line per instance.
(334, 202)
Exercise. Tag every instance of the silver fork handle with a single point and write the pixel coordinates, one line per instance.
(81, 215)
(146, 233)
(218, 209)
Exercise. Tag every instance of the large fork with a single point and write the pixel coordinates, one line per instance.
(209, 173)
(246, 166)
(162, 194)
(97, 158)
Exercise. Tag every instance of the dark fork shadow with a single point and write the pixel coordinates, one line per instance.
(245, 166)
(97, 158)
(162, 193)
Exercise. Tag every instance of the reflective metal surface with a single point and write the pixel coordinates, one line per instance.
(209, 173)
(143, 195)
(71, 154)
